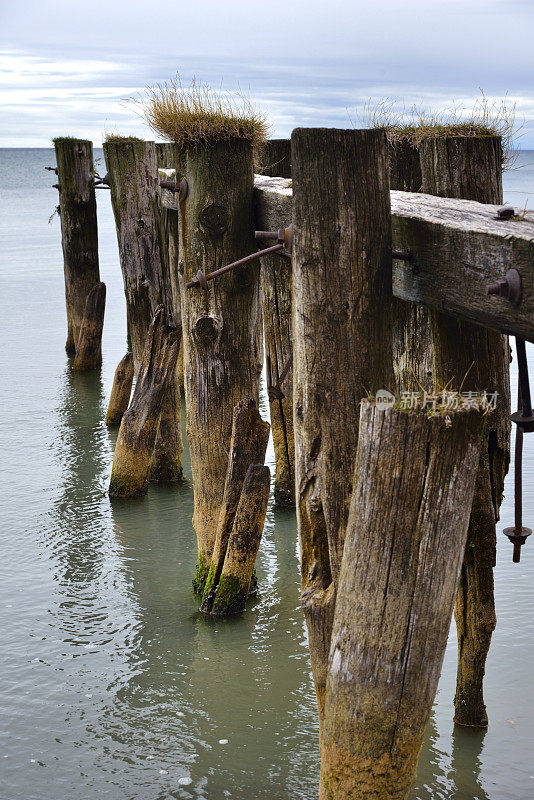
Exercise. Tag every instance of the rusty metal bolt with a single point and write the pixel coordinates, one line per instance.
(518, 539)
(181, 188)
(51, 169)
(201, 279)
(508, 287)
(505, 212)
(282, 236)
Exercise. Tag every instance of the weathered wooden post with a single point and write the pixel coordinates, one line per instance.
(275, 158)
(275, 276)
(134, 184)
(222, 324)
(472, 358)
(412, 341)
(413, 485)
(79, 233)
(121, 390)
(342, 299)
(140, 423)
(250, 435)
(167, 154)
(89, 342)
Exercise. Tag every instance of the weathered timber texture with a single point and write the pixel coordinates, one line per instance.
(275, 158)
(135, 196)
(244, 542)
(139, 426)
(275, 276)
(167, 154)
(121, 390)
(79, 232)
(89, 342)
(398, 581)
(222, 338)
(412, 342)
(250, 435)
(472, 358)
(342, 344)
(459, 247)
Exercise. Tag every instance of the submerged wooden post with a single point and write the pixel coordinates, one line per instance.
(250, 435)
(134, 184)
(275, 157)
(79, 232)
(398, 581)
(472, 358)
(275, 275)
(342, 344)
(89, 343)
(140, 423)
(120, 393)
(221, 325)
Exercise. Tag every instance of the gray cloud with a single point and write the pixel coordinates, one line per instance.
(306, 63)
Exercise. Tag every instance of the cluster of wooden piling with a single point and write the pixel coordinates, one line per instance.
(396, 505)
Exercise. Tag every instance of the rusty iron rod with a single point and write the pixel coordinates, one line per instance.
(252, 257)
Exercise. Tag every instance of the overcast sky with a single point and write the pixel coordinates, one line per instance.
(66, 67)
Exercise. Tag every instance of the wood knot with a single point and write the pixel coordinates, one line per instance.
(207, 329)
(214, 219)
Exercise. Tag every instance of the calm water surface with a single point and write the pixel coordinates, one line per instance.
(112, 685)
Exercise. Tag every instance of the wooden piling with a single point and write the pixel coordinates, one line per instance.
(275, 278)
(134, 184)
(139, 427)
(244, 542)
(469, 357)
(222, 325)
(79, 232)
(250, 435)
(275, 158)
(399, 576)
(89, 343)
(342, 344)
(120, 393)
(412, 341)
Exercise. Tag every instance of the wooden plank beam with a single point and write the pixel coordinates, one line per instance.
(458, 246)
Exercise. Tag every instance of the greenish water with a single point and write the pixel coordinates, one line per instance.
(111, 684)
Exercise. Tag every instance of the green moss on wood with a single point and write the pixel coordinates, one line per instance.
(229, 597)
(199, 579)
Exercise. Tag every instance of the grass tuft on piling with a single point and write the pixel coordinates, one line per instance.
(118, 137)
(485, 118)
(197, 114)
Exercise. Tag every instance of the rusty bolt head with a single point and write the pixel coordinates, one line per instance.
(505, 212)
(508, 287)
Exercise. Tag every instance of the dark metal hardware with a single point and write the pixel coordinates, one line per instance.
(173, 186)
(402, 255)
(102, 183)
(56, 186)
(505, 212)
(51, 169)
(524, 420)
(508, 287)
(275, 392)
(281, 236)
(284, 239)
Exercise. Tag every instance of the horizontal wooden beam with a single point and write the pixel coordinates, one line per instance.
(459, 247)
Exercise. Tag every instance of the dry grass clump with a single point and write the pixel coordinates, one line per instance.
(484, 119)
(197, 114)
(117, 137)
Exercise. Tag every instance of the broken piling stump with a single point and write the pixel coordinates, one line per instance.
(135, 197)
(468, 357)
(79, 232)
(232, 588)
(399, 576)
(223, 351)
(139, 427)
(89, 343)
(250, 435)
(342, 300)
(120, 393)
